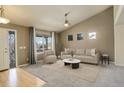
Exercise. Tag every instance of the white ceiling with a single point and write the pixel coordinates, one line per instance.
(50, 17)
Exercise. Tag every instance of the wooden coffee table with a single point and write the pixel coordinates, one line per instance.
(71, 61)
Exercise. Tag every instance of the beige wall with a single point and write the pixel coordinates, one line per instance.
(119, 36)
(116, 7)
(58, 45)
(102, 24)
(22, 40)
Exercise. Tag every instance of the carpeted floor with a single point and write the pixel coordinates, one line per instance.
(58, 75)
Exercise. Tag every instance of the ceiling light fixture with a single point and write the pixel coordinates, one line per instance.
(3, 20)
(66, 24)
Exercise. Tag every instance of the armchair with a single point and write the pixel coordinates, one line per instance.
(65, 55)
(50, 57)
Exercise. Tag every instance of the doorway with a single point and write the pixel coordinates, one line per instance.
(8, 48)
(12, 50)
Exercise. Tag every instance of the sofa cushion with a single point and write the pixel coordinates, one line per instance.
(93, 52)
(50, 59)
(66, 56)
(85, 58)
(88, 52)
(49, 52)
(89, 57)
(80, 52)
(67, 50)
(78, 57)
(40, 56)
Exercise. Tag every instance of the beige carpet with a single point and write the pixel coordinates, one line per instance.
(86, 71)
(59, 75)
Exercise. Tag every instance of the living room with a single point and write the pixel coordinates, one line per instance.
(70, 46)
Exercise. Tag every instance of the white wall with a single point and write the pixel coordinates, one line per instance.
(118, 37)
(117, 12)
(119, 45)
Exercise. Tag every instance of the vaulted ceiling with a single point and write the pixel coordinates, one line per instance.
(120, 16)
(50, 17)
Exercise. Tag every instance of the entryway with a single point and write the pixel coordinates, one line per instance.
(8, 49)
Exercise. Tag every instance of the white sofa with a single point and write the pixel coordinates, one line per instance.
(85, 55)
(65, 55)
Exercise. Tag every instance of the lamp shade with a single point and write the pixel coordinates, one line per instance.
(4, 20)
(66, 24)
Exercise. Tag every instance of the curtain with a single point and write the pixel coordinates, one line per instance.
(32, 58)
(53, 41)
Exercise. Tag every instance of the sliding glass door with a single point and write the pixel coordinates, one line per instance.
(43, 43)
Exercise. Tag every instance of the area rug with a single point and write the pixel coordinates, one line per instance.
(59, 75)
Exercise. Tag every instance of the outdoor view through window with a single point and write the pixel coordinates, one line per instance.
(43, 43)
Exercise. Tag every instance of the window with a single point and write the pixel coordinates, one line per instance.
(92, 35)
(39, 43)
(47, 43)
(43, 43)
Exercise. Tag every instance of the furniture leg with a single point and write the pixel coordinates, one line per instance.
(102, 60)
(66, 63)
(108, 60)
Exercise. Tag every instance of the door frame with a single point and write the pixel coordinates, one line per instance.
(15, 31)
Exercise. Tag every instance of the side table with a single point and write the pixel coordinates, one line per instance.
(105, 58)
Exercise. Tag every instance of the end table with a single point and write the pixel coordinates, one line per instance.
(105, 58)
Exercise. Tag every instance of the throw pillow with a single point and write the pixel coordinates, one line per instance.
(67, 50)
(80, 51)
(88, 52)
(93, 52)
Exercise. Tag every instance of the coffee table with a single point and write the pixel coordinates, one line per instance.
(72, 61)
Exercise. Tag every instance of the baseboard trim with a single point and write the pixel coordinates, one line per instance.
(23, 65)
(119, 64)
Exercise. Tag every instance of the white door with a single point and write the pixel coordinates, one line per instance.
(4, 47)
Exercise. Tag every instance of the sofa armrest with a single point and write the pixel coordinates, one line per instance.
(64, 53)
(49, 52)
(53, 53)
